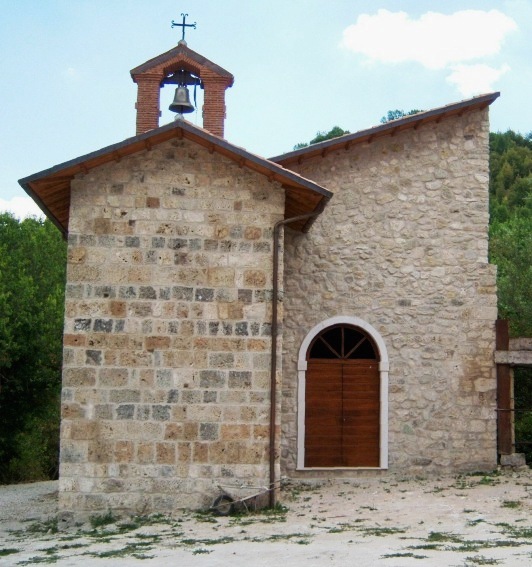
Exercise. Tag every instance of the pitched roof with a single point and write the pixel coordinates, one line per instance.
(389, 128)
(166, 62)
(50, 188)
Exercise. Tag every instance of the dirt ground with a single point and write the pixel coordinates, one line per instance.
(480, 519)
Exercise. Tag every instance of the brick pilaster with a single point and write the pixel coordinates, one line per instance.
(148, 101)
(214, 105)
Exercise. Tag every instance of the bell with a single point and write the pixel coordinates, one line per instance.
(181, 103)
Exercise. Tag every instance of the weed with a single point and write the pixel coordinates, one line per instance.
(220, 540)
(407, 554)
(130, 549)
(516, 532)
(474, 522)
(444, 537)
(50, 550)
(481, 560)
(37, 559)
(264, 515)
(153, 537)
(281, 537)
(295, 490)
(102, 520)
(490, 474)
(45, 527)
(382, 531)
(201, 550)
(342, 527)
(71, 546)
(426, 546)
(489, 480)
(8, 551)
(511, 504)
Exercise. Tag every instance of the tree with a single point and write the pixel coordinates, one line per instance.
(511, 251)
(32, 276)
(334, 132)
(396, 114)
(510, 176)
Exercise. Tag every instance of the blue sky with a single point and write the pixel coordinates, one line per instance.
(300, 66)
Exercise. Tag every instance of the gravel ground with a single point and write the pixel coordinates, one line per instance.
(454, 521)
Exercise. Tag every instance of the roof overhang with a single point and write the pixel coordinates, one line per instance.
(388, 129)
(166, 62)
(50, 188)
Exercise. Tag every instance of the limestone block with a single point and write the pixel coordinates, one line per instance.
(514, 461)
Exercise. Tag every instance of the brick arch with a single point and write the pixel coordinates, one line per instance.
(383, 370)
(181, 63)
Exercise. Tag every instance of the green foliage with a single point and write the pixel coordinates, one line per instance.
(511, 227)
(32, 275)
(396, 114)
(511, 251)
(334, 132)
(103, 520)
(523, 419)
(510, 176)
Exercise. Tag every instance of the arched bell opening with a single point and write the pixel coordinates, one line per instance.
(343, 396)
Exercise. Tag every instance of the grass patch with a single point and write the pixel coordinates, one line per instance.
(299, 537)
(294, 491)
(136, 550)
(516, 532)
(8, 551)
(444, 537)
(264, 515)
(475, 522)
(37, 559)
(204, 541)
(427, 546)
(480, 560)
(44, 527)
(511, 504)
(102, 520)
(340, 528)
(406, 554)
(381, 531)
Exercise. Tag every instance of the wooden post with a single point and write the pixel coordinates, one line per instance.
(504, 393)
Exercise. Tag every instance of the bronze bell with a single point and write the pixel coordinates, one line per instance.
(181, 103)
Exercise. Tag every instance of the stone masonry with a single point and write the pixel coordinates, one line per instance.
(167, 331)
(403, 245)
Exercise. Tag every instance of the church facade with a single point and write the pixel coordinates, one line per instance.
(233, 319)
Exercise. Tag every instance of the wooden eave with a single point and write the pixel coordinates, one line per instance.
(391, 128)
(50, 188)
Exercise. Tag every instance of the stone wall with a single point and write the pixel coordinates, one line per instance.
(167, 331)
(403, 245)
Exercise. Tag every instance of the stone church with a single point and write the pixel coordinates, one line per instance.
(233, 319)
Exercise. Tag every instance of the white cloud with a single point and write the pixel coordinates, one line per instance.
(21, 207)
(436, 41)
(71, 74)
(475, 79)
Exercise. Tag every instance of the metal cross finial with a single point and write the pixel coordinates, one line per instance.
(183, 25)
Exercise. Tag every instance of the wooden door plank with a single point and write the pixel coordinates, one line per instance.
(323, 415)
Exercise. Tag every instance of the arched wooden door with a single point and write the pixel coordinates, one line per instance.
(342, 404)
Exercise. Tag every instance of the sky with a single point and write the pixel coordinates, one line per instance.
(300, 67)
